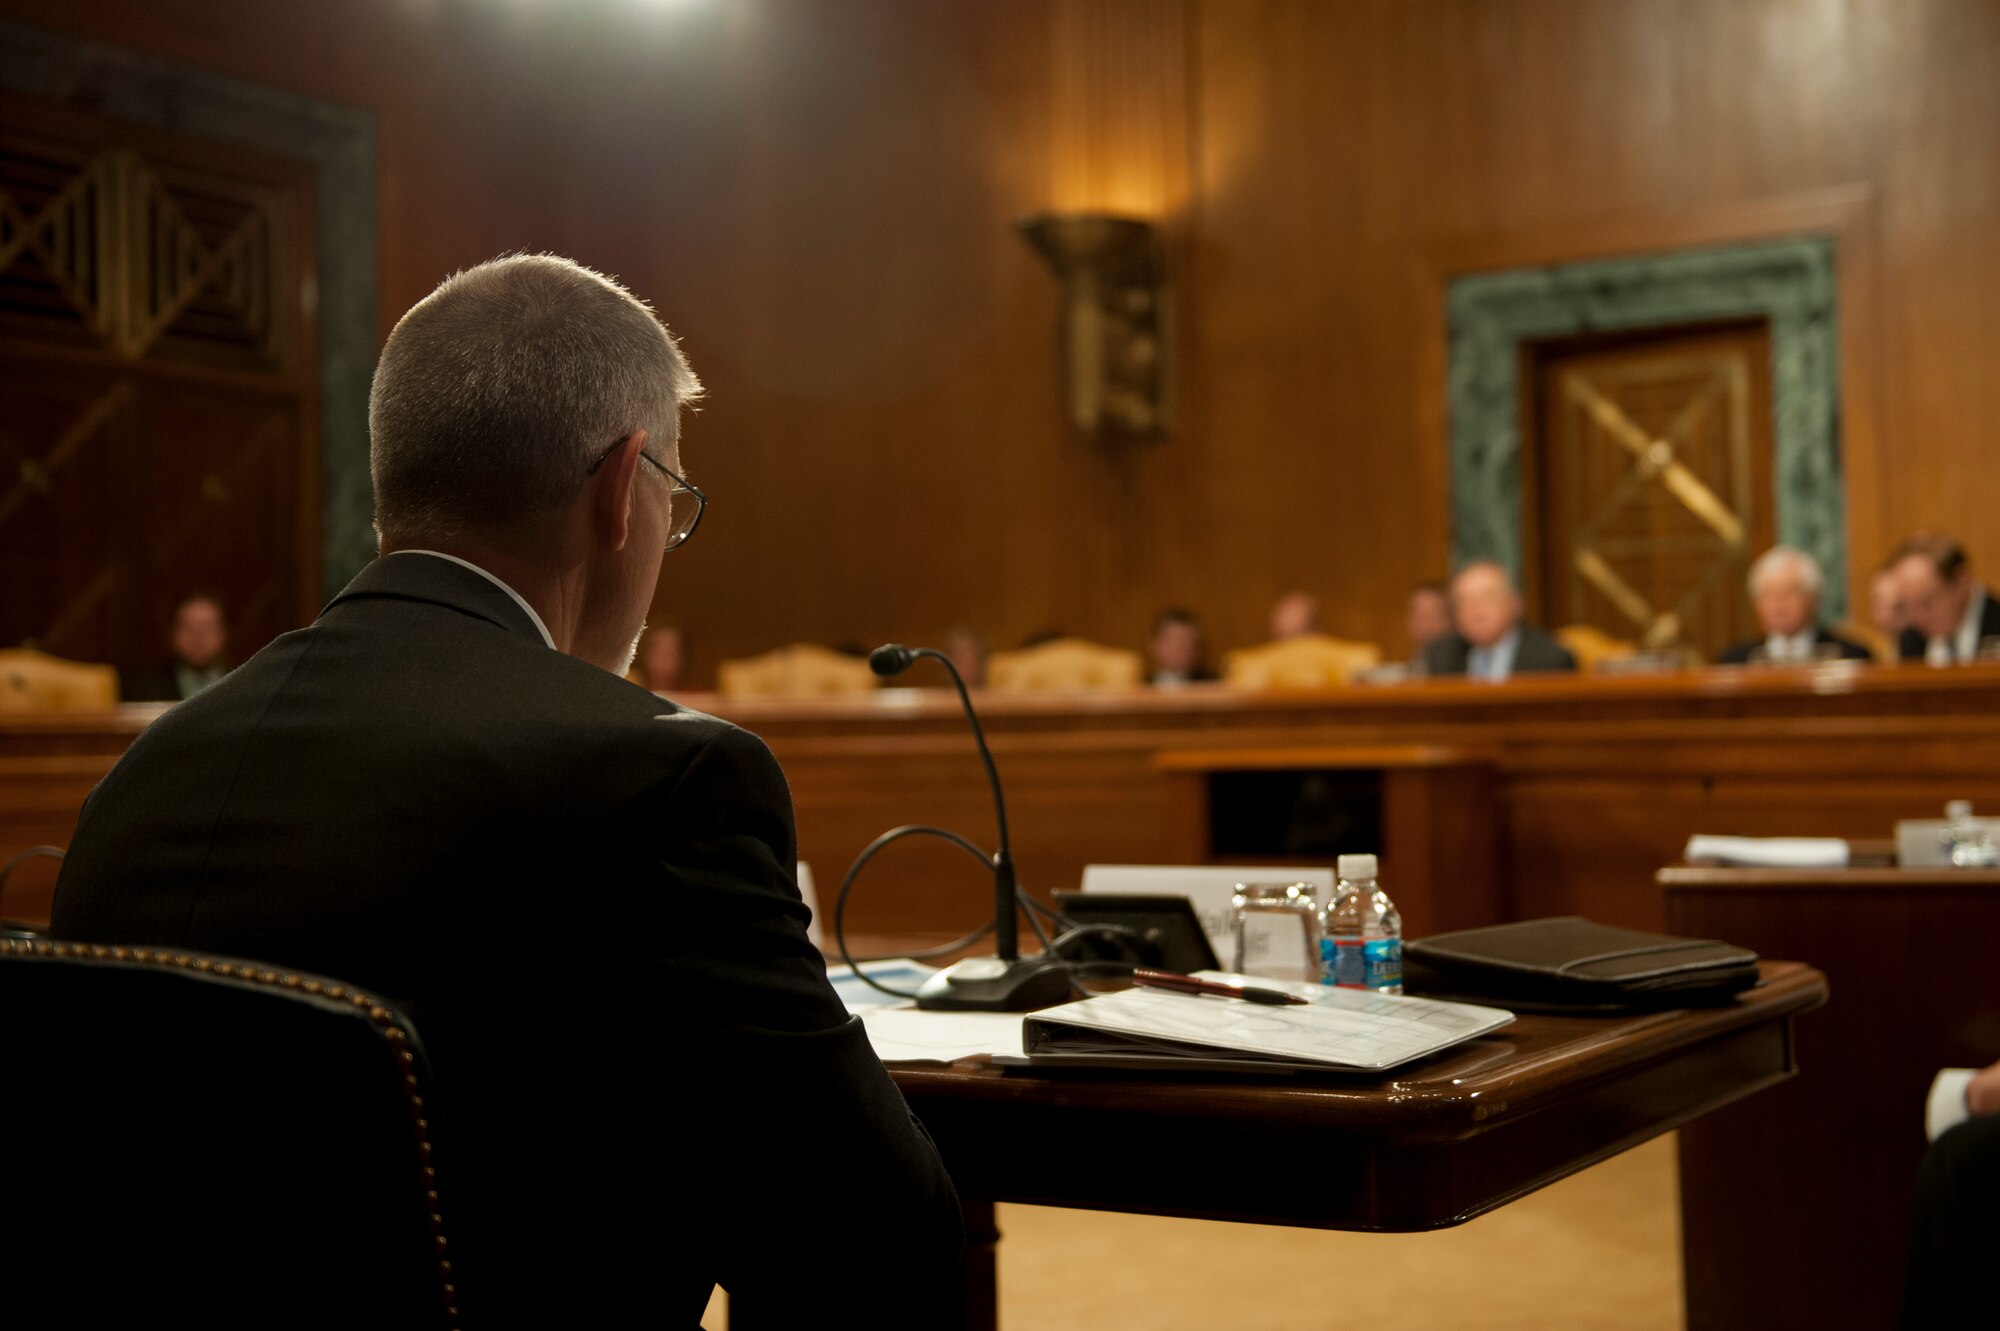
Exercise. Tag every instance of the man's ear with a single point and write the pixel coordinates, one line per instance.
(611, 492)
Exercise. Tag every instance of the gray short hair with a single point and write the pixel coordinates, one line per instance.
(1771, 560)
(497, 390)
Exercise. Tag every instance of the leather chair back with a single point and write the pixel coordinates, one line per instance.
(32, 681)
(1065, 665)
(1312, 661)
(801, 670)
(1881, 647)
(194, 1140)
(1592, 647)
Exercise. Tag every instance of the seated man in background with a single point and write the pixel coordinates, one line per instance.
(1295, 615)
(442, 791)
(199, 640)
(968, 650)
(1785, 589)
(1175, 648)
(1490, 642)
(659, 664)
(1428, 617)
(1949, 613)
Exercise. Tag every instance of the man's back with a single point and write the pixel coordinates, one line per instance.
(584, 896)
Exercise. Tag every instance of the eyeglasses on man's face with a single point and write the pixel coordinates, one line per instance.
(682, 517)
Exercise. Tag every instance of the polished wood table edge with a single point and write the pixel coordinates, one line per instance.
(125, 719)
(1283, 758)
(1455, 1094)
(1298, 1154)
(1832, 678)
(1720, 878)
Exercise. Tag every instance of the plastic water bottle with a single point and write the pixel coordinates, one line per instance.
(1361, 940)
(1966, 842)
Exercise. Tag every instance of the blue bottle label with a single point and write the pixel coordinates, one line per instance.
(1343, 962)
(1382, 963)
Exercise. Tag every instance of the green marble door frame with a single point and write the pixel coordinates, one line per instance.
(339, 143)
(1790, 283)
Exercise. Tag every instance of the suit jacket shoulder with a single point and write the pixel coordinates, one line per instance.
(1447, 655)
(1538, 652)
(1850, 650)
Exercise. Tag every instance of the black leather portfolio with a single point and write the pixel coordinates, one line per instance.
(1567, 963)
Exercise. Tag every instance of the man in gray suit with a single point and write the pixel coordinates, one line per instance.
(1489, 640)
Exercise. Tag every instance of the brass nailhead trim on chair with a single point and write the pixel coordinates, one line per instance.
(393, 1031)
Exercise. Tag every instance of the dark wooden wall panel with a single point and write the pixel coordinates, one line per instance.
(820, 197)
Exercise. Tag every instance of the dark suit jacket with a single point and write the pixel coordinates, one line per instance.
(161, 685)
(586, 898)
(1536, 653)
(1849, 650)
(1912, 645)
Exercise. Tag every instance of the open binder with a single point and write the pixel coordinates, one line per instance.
(1339, 1030)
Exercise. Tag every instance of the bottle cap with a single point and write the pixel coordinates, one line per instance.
(1357, 866)
(1955, 809)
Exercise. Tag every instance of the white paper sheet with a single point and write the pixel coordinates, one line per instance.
(1769, 852)
(906, 1035)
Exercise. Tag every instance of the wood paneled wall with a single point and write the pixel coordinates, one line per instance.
(820, 198)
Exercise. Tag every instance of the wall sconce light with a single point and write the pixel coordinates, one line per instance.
(1113, 274)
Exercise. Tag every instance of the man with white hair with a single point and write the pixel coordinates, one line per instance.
(1489, 640)
(1785, 589)
(443, 791)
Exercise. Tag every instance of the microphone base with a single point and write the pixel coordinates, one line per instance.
(988, 984)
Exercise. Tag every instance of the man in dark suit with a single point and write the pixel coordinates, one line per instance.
(443, 791)
(1488, 640)
(1785, 589)
(199, 640)
(1950, 614)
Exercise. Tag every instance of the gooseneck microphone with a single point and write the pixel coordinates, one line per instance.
(1002, 982)
(892, 659)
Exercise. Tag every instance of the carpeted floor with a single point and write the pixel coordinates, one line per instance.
(1598, 1251)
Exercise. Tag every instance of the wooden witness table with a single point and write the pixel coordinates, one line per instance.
(1452, 1138)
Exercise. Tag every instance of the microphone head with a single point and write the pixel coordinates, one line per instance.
(891, 659)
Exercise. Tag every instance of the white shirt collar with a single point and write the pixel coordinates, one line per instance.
(1966, 640)
(1497, 661)
(1800, 646)
(519, 600)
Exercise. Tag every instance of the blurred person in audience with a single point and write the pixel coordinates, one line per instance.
(968, 650)
(1785, 589)
(1294, 616)
(198, 639)
(1489, 641)
(392, 795)
(1885, 604)
(1176, 650)
(661, 659)
(1956, 1229)
(1428, 616)
(1950, 614)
